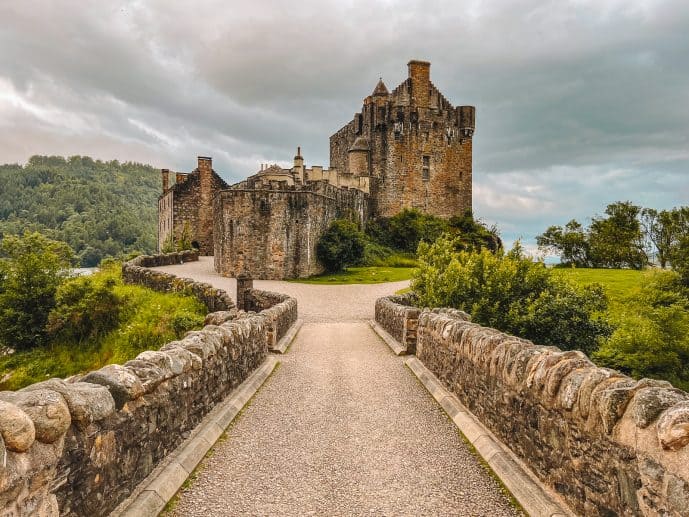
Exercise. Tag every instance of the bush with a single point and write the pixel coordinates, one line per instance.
(652, 336)
(86, 307)
(511, 293)
(340, 246)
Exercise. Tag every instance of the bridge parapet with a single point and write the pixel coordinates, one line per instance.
(607, 443)
(80, 446)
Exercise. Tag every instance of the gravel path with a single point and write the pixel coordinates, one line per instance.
(316, 302)
(341, 428)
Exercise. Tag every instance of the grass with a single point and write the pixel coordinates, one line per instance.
(148, 320)
(360, 275)
(619, 284)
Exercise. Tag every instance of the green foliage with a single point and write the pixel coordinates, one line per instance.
(101, 209)
(473, 235)
(86, 308)
(184, 242)
(146, 320)
(652, 334)
(511, 293)
(679, 256)
(340, 246)
(32, 267)
(570, 242)
(616, 240)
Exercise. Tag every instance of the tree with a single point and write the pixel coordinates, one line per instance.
(340, 246)
(570, 243)
(679, 256)
(616, 240)
(32, 268)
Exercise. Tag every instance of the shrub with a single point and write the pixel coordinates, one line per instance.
(652, 336)
(340, 246)
(86, 307)
(511, 293)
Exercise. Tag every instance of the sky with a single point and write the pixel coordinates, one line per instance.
(579, 103)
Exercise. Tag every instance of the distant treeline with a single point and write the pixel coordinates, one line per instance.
(101, 209)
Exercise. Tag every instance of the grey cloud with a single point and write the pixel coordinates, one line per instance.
(579, 103)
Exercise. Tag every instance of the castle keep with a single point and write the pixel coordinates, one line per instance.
(409, 148)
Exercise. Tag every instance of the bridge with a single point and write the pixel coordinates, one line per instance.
(420, 412)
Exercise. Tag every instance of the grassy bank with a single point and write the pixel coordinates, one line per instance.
(148, 320)
(360, 275)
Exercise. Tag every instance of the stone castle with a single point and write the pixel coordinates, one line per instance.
(409, 148)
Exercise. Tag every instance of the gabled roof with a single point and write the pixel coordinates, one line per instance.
(380, 88)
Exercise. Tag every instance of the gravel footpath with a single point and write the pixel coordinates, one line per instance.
(316, 302)
(341, 428)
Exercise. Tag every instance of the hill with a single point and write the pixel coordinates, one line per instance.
(100, 209)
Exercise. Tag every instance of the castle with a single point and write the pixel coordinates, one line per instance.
(409, 148)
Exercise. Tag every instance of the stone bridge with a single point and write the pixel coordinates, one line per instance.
(361, 417)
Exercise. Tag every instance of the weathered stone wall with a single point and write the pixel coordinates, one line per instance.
(609, 444)
(80, 446)
(399, 318)
(279, 310)
(272, 234)
(136, 272)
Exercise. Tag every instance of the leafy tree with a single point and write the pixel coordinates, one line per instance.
(341, 245)
(474, 235)
(184, 242)
(616, 240)
(86, 308)
(570, 243)
(680, 259)
(512, 293)
(32, 268)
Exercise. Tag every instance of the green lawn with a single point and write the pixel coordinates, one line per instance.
(618, 283)
(360, 275)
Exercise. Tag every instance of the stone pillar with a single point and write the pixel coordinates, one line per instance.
(244, 284)
(409, 332)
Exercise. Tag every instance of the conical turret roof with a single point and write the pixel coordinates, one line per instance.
(381, 89)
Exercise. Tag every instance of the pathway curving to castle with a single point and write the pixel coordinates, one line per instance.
(341, 427)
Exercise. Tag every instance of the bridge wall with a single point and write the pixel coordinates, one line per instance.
(610, 445)
(80, 446)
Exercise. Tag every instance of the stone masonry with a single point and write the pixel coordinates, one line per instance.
(409, 148)
(609, 444)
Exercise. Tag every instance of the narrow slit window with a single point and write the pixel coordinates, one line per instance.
(426, 169)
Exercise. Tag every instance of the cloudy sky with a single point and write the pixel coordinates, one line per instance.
(579, 102)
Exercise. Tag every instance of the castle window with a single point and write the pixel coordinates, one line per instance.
(426, 170)
(425, 136)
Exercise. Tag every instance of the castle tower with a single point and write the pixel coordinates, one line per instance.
(419, 147)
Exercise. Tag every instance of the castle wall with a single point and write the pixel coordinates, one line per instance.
(272, 234)
(165, 218)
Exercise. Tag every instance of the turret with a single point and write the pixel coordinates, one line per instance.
(358, 156)
(420, 79)
(467, 120)
(298, 168)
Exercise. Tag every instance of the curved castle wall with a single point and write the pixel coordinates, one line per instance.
(609, 444)
(80, 446)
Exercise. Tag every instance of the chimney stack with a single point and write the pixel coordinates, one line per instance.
(420, 75)
(166, 179)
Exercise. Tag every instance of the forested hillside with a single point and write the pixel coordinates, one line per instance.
(99, 208)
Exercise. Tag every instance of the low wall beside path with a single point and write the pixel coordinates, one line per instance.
(609, 444)
(80, 446)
